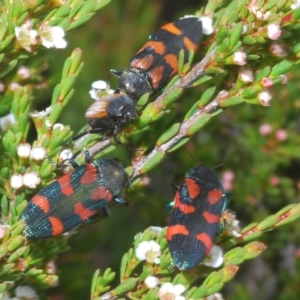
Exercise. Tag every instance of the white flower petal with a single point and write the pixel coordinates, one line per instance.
(207, 25)
(26, 292)
(16, 181)
(38, 153)
(151, 282)
(23, 150)
(7, 122)
(214, 258)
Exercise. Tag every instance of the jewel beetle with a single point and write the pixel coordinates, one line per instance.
(149, 70)
(195, 219)
(74, 198)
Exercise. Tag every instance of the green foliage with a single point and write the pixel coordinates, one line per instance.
(238, 65)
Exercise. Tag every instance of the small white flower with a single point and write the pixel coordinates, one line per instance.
(265, 98)
(94, 95)
(38, 153)
(169, 291)
(52, 37)
(12, 86)
(278, 50)
(207, 25)
(259, 13)
(16, 181)
(214, 258)
(151, 282)
(239, 58)
(26, 36)
(216, 296)
(273, 31)
(23, 72)
(40, 114)
(149, 251)
(100, 85)
(246, 75)
(231, 223)
(295, 5)
(26, 292)
(23, 150)
(31, 180)
(99, 89)
(65, 155)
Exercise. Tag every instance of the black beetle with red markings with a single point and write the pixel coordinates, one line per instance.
(195, 220)
(150, 69)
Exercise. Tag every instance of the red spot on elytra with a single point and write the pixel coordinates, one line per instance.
(206, 240)
(189, 44)
(172, 28)
(42, 202)
(172, 60)
(211, 218)
(82, 211)
(187, 209)
(143, 63)
(214, 196)
(102, 193)
(156, 76)
(176, 229)
(159, 47)
(65, 185)
(192, 187)
(90, 175)
(57, 226)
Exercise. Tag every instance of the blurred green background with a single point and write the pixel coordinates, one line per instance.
(266, 166)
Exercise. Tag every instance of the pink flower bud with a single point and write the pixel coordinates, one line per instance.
(227, 178)
(23, 72)
(278, 50)
(274, 31)
(265, 98)
(239, 58)
(274, 180)
(267, 82)
(246, 75)
(265, 129)
(281, 135)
